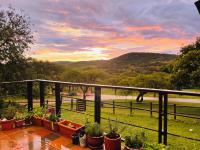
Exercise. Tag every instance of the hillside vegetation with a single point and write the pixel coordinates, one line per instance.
(135, 62)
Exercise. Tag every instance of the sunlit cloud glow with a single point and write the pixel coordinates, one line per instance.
(75, 30)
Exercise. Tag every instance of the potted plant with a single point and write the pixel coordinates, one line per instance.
(51, 122)
(19, 119)
(28, 117)
(112, 140)
(68, 128)
(38, 114)
(94, 136)
(135, 142)
(8, 121)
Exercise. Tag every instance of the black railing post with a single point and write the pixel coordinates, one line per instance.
(174, 111)
(58, 98)
(165, 118)
(160, 132)
(30, 95)
(42, 88)
(97, 103)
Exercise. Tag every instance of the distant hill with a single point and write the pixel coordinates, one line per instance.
(140, 62)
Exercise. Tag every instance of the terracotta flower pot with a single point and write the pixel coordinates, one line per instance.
(28, 121)
(7, 125)
(95, 142)
(69, 128)
(37, 121)
(51, 125)
(19, 123)
(112, 144)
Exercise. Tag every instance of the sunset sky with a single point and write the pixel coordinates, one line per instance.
(74, 30)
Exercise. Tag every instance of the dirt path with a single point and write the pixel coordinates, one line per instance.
(116, 97)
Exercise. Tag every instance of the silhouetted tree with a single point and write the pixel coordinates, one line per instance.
(15, 38)
(186, 73)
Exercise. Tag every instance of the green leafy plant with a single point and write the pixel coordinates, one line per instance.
(20, 116)
(93, 129)
(155, 146)
(39, 112)
(53, 117)
(135, 141)
(9, 113)
(1, 106)
(113, 130)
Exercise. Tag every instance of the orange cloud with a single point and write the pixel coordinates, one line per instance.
(57, 55)
(140, 28)
(163, 43)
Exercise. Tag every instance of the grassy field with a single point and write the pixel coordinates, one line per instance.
(182, 126)
(135, 93)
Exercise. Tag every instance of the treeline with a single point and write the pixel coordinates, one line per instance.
(15, 40)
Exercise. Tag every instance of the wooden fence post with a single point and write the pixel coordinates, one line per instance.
(113, 107)
(175, 111)
(131, 108)
(151, 109)
(72, 104)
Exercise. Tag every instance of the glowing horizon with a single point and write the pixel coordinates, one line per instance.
(76, 30)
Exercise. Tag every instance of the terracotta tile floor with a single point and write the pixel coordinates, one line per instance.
(35, 138)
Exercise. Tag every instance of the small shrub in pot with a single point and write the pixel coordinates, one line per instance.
(94, 136)
(112, 139)
(135, 141)
(38, 114)
(51, 121)
(19, 119)
(8, 121)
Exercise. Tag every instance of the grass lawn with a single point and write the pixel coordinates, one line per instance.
(182, 126)
(135, 93)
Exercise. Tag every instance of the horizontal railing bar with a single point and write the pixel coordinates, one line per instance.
(164, 91)
(10, 82)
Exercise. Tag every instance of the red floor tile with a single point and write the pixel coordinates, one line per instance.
(35, 138)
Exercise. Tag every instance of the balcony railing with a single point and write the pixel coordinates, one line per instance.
(162, 102)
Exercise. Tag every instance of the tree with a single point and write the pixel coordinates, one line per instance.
(186, 72)
(154, 80)
(15, 38)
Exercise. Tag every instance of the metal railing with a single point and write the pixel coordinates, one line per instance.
(162, 102)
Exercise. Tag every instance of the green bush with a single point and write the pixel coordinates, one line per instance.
(20, 116)
(9, 113)
(135, 141)
(94, 130)
(39, 112)
(155, 146)
(53, 117)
